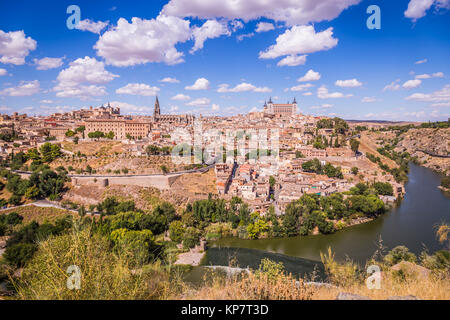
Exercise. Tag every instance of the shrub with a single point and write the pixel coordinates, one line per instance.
(399, 253)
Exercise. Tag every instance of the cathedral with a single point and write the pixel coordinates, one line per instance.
(170, 118)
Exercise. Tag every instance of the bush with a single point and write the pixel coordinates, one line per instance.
(17, 255)
(399, 253)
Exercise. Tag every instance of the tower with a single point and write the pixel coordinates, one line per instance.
(157, 111)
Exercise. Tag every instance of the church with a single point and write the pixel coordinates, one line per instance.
(280, 110)
(170, 118)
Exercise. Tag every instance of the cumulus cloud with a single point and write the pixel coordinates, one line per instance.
(289, 11)
(264, 26)
(393, 86)
(302, 87)
(3, 72)
(245, 35)
(439, 96)
(292, 60)
(300, 40)
(242, 87)
(138, 89)
(91, 26)
(311, 75)
(418, 8)
(26, 88)
(322, 106)
(180, 97)
(368, 99)
(143, 41)
(351, 83)
(15, 46)
(308, 93)
(129, 108)
(48, 63)
(81, 78)
(200, 102)
(429, 76)
(412, 84)
(421, 61)
(322, 93)
(169, 80)
(215, 107)
(200, 84)
(209, 30)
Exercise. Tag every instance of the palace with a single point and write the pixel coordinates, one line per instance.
(170, 118)
(280, 110)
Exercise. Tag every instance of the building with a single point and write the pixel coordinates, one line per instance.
(121, 128)
(170, 118)
(280, 110)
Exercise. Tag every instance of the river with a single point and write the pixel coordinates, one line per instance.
(412, 224)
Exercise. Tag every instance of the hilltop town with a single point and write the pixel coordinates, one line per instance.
(101, 148)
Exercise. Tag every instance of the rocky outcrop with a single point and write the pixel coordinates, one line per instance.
(350, 296)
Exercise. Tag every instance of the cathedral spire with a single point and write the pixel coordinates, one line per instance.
(157, 111)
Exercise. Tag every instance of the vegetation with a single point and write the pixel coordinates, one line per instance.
(328, 169)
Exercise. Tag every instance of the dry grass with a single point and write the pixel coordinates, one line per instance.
(38, 214)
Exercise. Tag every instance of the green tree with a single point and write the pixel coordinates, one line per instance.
(176, 231)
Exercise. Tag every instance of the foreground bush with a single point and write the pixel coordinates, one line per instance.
(104, 274)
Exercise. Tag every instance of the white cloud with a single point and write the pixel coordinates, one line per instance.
(46, 101)
(351, 83)
(143, 41)
(300, 40)
(292, 60)
(311, 75)
(169, 80)
(72, 80)
(91, 26)
(48, 63)
(412, 84)
(242, 87)
(308, 93)
(393, 86)
(442, 95)
(368, 99)
(290, 11)
(129, 108)
(180, 97)
(441, 104)
(302, 87)
(322, 93)
(15, 46)
(138, 89)
(209, 30)
(243, 36)
(3, 72)
(200, 84)
(421, 61)
(26, 88)
(215, 107)
(429, 76)
(200, 102)
(236, 25)
(418, 8)
(264, 26)
(322, 106)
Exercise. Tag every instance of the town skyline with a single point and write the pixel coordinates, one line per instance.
(229, 61)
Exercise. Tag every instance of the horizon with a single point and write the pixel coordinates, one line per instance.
(227, 60)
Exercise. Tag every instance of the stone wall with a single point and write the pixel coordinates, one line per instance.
(157, 181)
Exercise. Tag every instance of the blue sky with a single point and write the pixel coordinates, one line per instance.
(223, 57)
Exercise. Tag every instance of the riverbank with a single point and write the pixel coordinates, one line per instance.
(412, 224)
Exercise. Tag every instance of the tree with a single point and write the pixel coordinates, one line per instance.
(70, 133)
(191, 238)
(50, 152)
(399, 253)
(272, 181)
(354, 145)
(355, 170)
(110, 135)
(383, 188)
(164, 169)
(176, 231)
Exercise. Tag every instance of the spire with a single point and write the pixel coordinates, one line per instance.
(157, 111)
(294, 101)
(270, 100)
